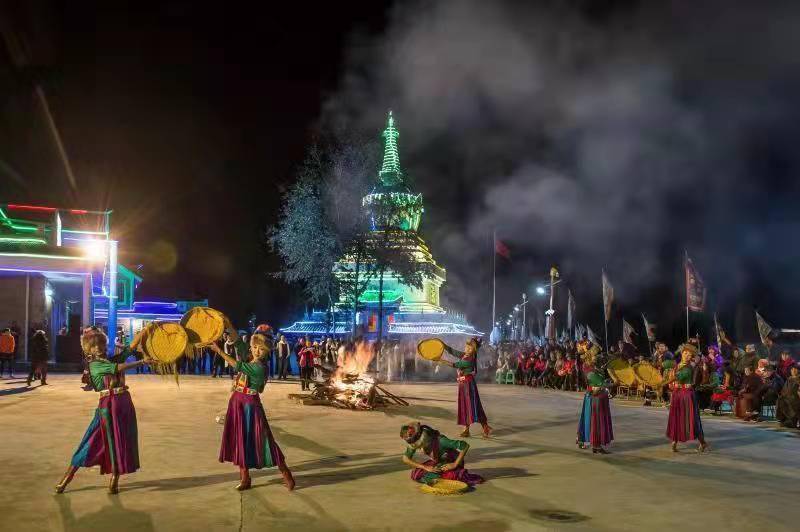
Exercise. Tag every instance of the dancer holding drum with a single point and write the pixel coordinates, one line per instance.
(111, 441)
(470, 409)
(247, 440)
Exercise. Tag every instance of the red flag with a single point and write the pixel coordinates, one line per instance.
(501, 249)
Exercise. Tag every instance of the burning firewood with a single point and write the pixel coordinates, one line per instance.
(349, 385)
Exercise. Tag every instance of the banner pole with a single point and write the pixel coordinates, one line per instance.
(686, 279)
(494, 277)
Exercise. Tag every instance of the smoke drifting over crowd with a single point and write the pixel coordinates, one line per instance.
(611, 138)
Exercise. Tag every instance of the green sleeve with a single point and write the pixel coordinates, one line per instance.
(447, 443)
(463, 364)
(452, 351)
(101, 368)
(251, 369)
(124, 354)
(410, 451)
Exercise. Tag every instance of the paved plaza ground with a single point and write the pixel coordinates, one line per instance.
(350, 476)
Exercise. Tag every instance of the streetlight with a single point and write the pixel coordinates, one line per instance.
(541, 290)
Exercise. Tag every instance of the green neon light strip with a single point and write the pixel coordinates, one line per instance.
(32, 229)
(24, 228)
(22, 240)
(42, 256)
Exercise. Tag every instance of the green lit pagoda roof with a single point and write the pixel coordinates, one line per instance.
(391, 202)
(391, 174)
(389, 296)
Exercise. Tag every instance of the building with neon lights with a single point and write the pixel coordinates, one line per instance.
(409, 312)
(59, 268)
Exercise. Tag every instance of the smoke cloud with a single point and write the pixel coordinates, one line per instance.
(594, 137)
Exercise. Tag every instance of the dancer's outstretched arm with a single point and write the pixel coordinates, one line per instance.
(134, 347)
(214, 347)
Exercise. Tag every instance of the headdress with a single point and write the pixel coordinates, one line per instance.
(265, 329)
(688, 347)
(93, 337)
(416, 426)
(261, 339)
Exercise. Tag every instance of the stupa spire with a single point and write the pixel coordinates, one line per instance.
(390, 173)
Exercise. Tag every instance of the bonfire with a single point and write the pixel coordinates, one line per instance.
(350, 385)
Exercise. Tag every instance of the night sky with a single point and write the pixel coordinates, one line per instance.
(187, 121)
(588, 134)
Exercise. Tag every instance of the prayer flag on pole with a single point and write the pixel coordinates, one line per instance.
(592, 336)
(608, 297)
(764, 328)
(722, 338)
(570, 310)
(650, 328)
(627, 331)
(695, 288)
(578, 332)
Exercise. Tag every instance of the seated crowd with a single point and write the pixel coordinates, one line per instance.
(742, 381)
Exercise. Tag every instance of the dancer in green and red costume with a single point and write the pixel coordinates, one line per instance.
(684, 414)
(470, 409)
(594, 427)
(445, 456)
(111, 441)
(247, 440)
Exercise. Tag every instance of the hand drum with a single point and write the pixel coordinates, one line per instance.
(431, 349)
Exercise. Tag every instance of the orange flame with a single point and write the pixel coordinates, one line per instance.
(354, 363)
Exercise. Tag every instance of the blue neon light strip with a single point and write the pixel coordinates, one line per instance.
(162, 303)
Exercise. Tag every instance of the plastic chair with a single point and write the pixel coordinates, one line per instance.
(510, 377)
(499, 377)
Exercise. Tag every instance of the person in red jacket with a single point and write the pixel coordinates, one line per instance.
(570, 373)
(530, 361)
(305, 359)
(785, 365)
(539, 367)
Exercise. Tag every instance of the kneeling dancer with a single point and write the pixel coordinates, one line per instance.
(111, 441)
(446, 456)
(684, 414)
(247, 440)
(594, 427)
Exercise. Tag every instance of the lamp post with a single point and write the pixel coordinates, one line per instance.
(550, 322)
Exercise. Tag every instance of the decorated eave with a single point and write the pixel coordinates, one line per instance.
(433, 328)
(317, 327)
